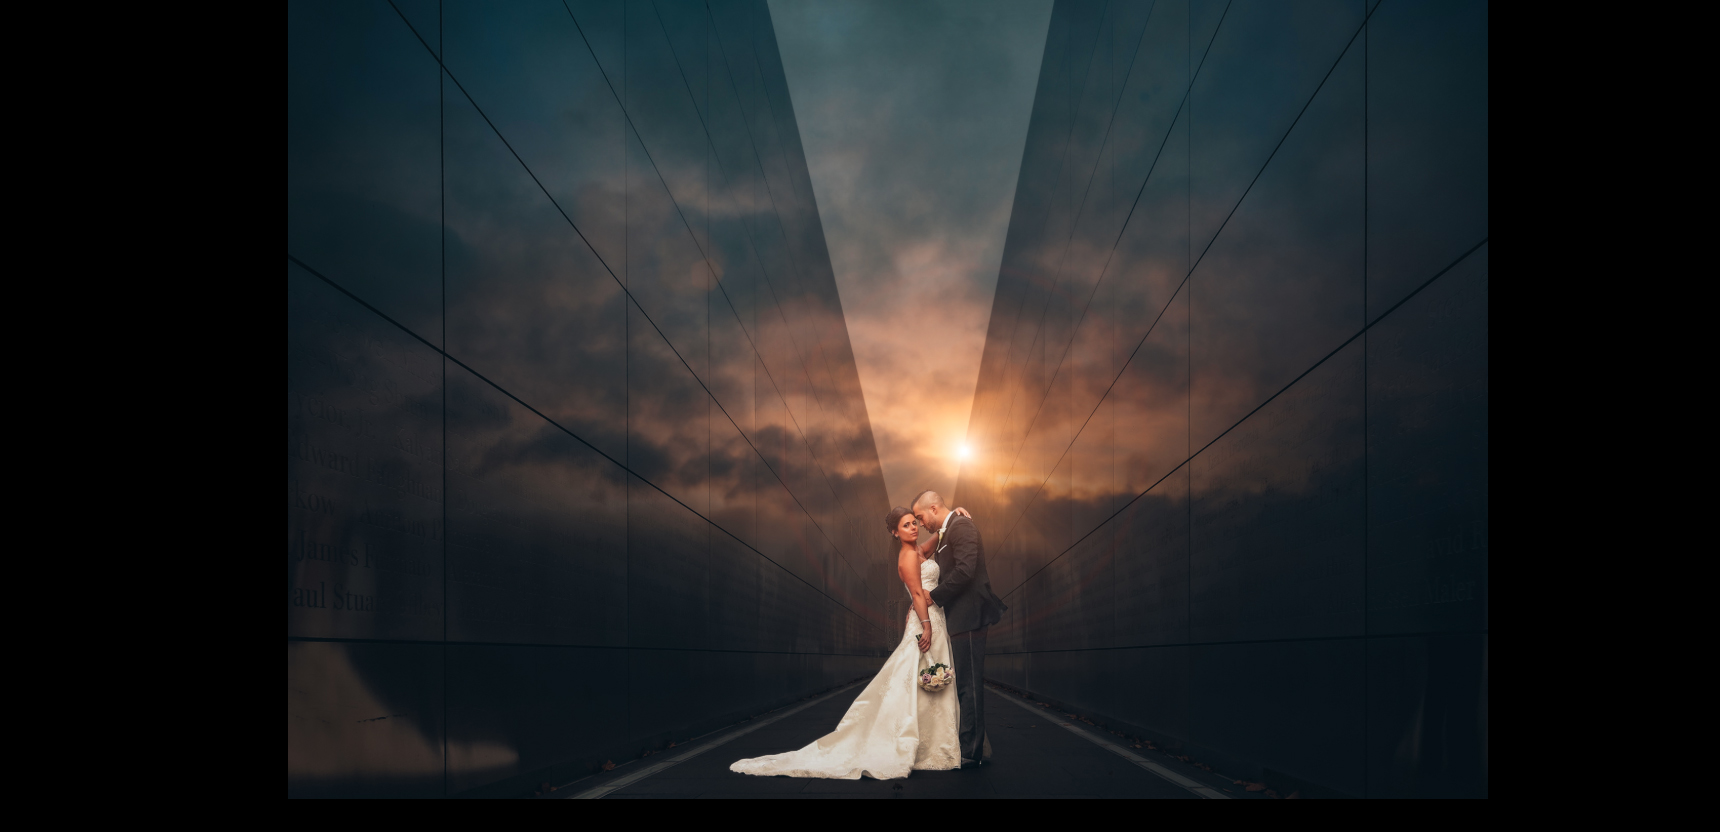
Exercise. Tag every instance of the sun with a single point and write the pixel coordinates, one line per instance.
(962, 451)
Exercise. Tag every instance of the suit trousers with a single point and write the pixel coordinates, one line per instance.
(967, 650)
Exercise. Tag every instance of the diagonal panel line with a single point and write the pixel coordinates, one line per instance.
(1071, 345)
(1257, 408)
(516, 399)
(1075, 223)
(1111, 253)
(1220, 230)
(1045, 222)
(1187, 91)
(705, 257)
(782, 229)
(753, 245)
(1196, 263)
(618, 281)
(1006, 370)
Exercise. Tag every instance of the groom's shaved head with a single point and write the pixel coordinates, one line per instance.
(929, 509)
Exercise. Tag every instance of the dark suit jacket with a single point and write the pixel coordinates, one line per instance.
(964, 587)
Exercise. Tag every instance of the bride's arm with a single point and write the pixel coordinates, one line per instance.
(908, 566)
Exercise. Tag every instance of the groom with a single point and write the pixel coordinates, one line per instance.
(964, 591)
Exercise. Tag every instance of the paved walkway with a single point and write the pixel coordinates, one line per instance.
(1037, 752)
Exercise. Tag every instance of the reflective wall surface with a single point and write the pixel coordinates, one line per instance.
(577, 458)
(1230, 429)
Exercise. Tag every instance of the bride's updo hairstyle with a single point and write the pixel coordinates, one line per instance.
(895, 517)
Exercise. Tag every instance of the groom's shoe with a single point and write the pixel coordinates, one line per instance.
(967, 764)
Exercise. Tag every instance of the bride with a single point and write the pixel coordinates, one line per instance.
(894, 727)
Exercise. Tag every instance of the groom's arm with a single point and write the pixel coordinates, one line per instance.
(963, 560)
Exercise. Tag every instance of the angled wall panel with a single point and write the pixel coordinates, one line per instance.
(578, 463)
(1246, 273)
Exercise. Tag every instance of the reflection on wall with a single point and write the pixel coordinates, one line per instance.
(577, 459)
(1230, 429)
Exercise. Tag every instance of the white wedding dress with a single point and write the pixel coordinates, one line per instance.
(894, 727)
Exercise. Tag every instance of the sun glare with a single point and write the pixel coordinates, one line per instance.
(962, 452)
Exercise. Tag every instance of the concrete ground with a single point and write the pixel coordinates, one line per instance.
(1036, 752)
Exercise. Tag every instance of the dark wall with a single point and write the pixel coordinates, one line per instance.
(577, 458)
(1231, 422)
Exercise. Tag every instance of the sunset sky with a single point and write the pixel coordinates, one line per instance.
(913, 116)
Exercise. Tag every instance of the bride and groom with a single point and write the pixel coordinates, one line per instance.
(894, 726)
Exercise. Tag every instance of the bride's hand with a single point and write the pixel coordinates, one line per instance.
(925, 639)
(962, 511)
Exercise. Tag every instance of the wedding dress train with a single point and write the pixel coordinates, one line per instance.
(894, 727)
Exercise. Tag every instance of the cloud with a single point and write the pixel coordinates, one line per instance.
(914, 116)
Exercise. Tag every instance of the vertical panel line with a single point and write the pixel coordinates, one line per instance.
(627, 361)
(1367, 519)
(442, 241)
(1188, 346)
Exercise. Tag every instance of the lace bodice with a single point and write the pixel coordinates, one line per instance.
(928, 575)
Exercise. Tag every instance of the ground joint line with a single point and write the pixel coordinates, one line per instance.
(1195, 786)
(630, 778)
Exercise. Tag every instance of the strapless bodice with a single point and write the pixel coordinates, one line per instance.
(893, 728)
(928, 574)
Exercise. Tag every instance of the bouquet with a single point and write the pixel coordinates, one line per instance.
(937, 677)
